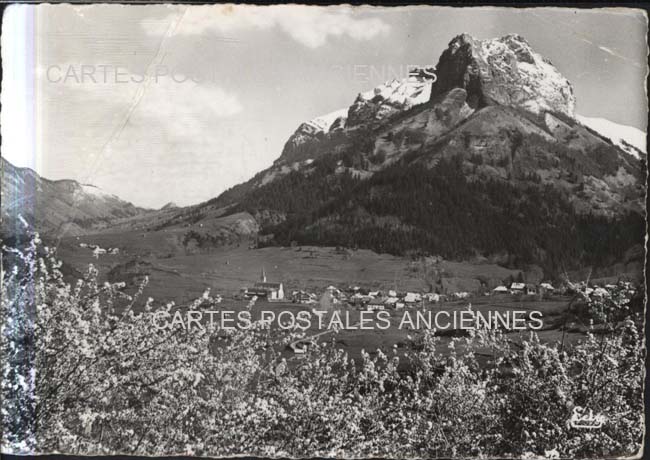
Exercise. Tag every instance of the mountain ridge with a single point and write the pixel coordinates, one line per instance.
(498, 110)
(299, 150)
(71, 208)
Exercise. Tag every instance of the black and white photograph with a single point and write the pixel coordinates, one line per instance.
(298, 231)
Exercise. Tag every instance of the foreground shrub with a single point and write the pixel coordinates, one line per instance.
(84, 372)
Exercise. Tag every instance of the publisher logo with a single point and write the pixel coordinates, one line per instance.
(585, 419)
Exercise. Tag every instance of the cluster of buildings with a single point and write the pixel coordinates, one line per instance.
(98, 251)
(525, 289)
(598, 290)
(377, 300)
(371, 300)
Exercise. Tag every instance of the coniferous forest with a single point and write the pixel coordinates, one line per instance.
(411, 210)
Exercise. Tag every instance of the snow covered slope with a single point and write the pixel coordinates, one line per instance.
(324, 122)
(630, 139)
(375, 105)
(390, 98)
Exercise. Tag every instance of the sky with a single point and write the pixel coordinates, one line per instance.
(177, 103)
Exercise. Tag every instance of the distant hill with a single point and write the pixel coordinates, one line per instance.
(170, 205)
(56, 207)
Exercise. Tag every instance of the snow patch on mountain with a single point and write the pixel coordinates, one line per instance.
(389, 97)
(407, 92)
(632, 140)
(392, 97)
(324, 122)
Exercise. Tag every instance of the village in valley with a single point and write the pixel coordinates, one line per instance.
(301, 281)
(369, 299)
(300, 278)
(352, 300)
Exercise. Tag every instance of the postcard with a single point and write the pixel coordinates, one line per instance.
(292, 231)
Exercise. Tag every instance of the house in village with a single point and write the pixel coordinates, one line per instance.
(500, 290)
(546, 288)
(531, 289)
(303, 297)
(360, 299)
(517, 288)
(337, 293)
(431, 297)
(412, 297)
(375, 305)
(263, 288)
(333, 289)
(391, 302)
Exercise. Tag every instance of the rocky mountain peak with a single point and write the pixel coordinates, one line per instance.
(502, 71)
(472, 104)
(391, 97)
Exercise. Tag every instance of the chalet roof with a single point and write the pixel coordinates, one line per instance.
(517, 286)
